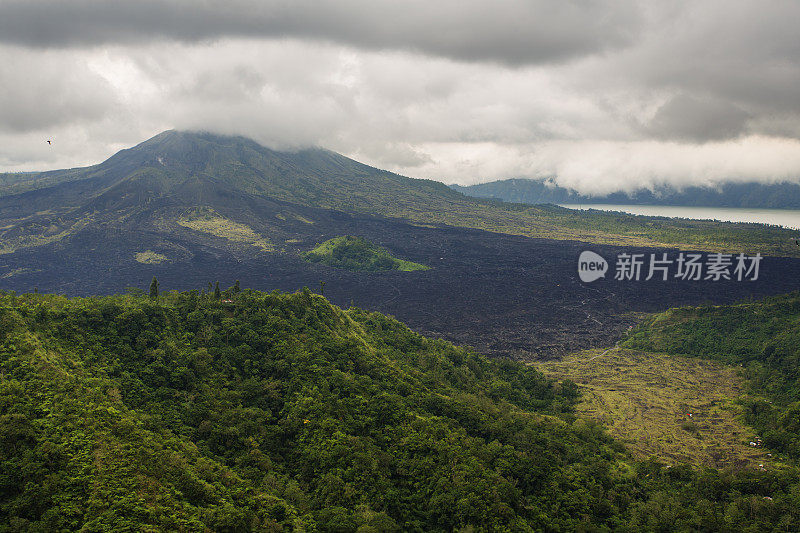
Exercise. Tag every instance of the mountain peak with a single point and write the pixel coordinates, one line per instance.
(174, 137)
(174, 161)
(181, 143)
(187, 152)
(187, 140)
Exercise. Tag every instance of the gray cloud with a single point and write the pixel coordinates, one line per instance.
(687, 118)
(515, 32)
(603, 96)
(46, 90)
(716, 69)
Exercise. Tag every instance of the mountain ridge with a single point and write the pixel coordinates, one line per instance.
(781, 195)
(312, 176)
(242, 171)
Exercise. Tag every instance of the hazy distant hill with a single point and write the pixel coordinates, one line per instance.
(752, 195)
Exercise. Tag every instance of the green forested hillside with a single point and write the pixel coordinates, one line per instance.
(761, 336)
(271, 412)
(276, 409)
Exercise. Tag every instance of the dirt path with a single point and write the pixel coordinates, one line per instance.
(615, 347)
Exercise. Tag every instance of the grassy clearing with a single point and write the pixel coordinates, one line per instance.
(19, 271)
(759, 337)
(149, 257)
(644, 399)
(38, 236)
(303, 219)
(209, 221)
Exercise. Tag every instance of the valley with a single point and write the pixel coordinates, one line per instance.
(332, 381)
(383, 267)
(502, 294)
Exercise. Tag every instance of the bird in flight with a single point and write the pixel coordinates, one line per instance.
(48, 142)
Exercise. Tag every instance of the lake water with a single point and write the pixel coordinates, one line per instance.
(789, 218)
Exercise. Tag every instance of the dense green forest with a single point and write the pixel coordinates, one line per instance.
(246, 411)
(762, 336)
(356, 253)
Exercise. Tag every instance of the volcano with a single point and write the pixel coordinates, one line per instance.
(196, 208)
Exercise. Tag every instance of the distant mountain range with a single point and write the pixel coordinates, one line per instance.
(542, 191)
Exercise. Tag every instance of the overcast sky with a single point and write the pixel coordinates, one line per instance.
(605, 95)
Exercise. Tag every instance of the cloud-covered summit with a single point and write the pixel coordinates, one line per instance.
(604, 95)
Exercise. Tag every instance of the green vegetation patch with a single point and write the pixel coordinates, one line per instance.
(762, 337)
(356, 253)
(678, 409)
(18, 272)
(275, 413)
(17, 237)
(209, 221)
(149, 257)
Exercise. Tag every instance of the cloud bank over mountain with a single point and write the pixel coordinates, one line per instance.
(603, 95)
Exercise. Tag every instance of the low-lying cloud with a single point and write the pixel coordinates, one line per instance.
(601, 167)
(605, 96)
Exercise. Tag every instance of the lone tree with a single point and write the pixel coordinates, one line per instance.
(322, 288)
(236, 288)
(154, 288)
(217, 293)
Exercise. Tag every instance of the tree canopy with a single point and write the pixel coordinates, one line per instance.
(284, 412)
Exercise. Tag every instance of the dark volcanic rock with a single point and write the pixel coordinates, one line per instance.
(502, 294)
